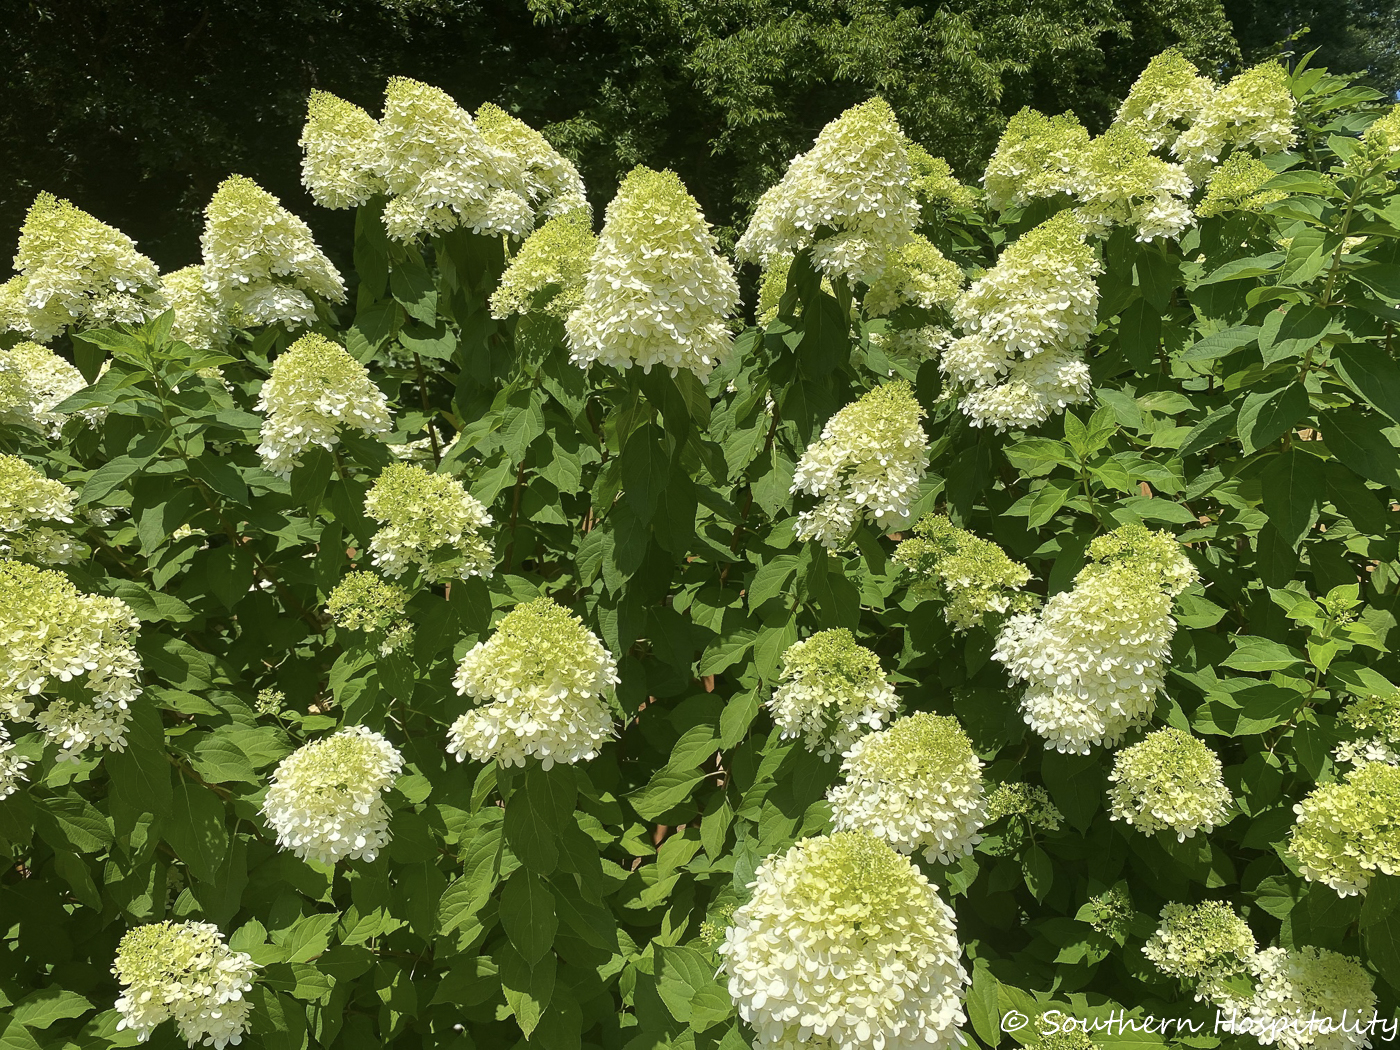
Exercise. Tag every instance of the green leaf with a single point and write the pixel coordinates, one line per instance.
(666, 790)
(1293, 484)
(1290, 333)
(196, 830)
(645, 470)
(1039, 871)
(528, 988)
(1267, 415)
(736, 718)
(1254, 653)
(308, 937)
(1360, 445)
(42, 1008)
(527, 915)
(1372, 375)
(1076, 785)
(1220, 344)
(540, 805)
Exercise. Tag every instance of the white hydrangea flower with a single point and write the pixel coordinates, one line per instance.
(315, 390)
(185, 971)
(870, 458)
(658, 292)
(364, 602)
(342, 154)
(326, 800)
(1122, 184)
(429, 520)
(12, 312)
(1202, 944)
(199, 321)
(916, 273)
(845, 945)
(27, 496)
(1305, 999)
(830, 691)
(541, 683)
(1255, 109)
(1349, 830)
(1037, 156)
(12, 766)
(1165, 99)
(856, 181)
(261, 263)
(1033, 391)
(974, 577)
(1237, 185)
(551, 183)
(916, 785)
(78, 272)
(52, 633)
(1094, 659)
(1169, 781)
(556, 255)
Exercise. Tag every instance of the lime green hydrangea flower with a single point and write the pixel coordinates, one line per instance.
(1037, 156)
(1165, 99)
(1297, 992)
(341, 152)
(549, 181)
(1030, 809)
(1122, 184)
(1110, 913)
(1155, 552)
(830, 690)
(556, 256)
(1236, 186)
(1171, 781)
(1378, 716)
(1202, 944)
(1348, 831)
(33, 382)
(12, 766)
(364, 602)
(1255, 109)
(933, 182)
(916, 273)
(429, 520)
(974, 577)
(28, 496)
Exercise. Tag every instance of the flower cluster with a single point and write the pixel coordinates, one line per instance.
(50, 630)
(1094, 658)
(73, 271)
(428, 520)
(549, 182)
(1170, 780)
(1166, 99)
(33, 382)
(1349, 830)
(541, 683)
(916, 785)
(555, 258)
(1297, 991)
(1110, 913)
(870, 458)
(856, 182)
(1379, 718)
(1030, 807)
(185, 971)
(261, 262)
(657, 292)
(199, 321)
(1255, 109)
(26, 496)
(1383, 133)
(933, 182)
(831, 687)
(342, 156)
(844, 944)
(1202, 944)
(326, 800)
(918, 273)
(974, 577)
(1237, 185)
(364, 602)
(314, 391)
(1122, 184)
(12, 766)
(1024, 322)
(1037, 156)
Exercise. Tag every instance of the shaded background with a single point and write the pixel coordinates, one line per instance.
(136, 111)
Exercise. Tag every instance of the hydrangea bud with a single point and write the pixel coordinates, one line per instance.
(933, 182)
(1201, 944)
(1254, 109)
(185, 971)
(658, 292)
(1122, 184)
(315, 390)
(1027, 801)
(1111, 913)
(551, 183)
(1237, 185)
(342, 155)
(1037, 156)
(27, 496)
(916, 785)
(33, 381)
(555, 258)
(428, 520)
(855, 180)
(541, 683)
(1094, 658)
(364, 602)
(1349, 830)
(915, 273)
(972, 576)
(870, 458)
(52, 633)
(326, 800)
(845, 944)
(830, 690)
(261, 262)
(1296, 991)
(12, 766)
(1169, 781)
(1167, 97)
(79, 272)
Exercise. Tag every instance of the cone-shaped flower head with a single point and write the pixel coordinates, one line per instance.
(1201, 944)
(1122, 184)
(855, 181)
(428, 520)
(550, 182)
(1095, 657)
(870, 458)
(1383, 134)
(1348, 831)
(1037, 156)
(33, 381)
(972, 576)
(342, 155)
(261, 262)
(1171, 781)
(12, 766)
(199, 320)
(27, 496)
(326, 801)
(541, 683)
(78, 272)
(316, 389)
(831, 690)
(933, 182)
(51, 633)
(916, 273)
(658, 292)
(364, 602)
(916, 785)
(185, 971)
(1237, 185)
(1168, 96)
(556, 256)
(1298, 990)
(13, 316)
(1254, 109)
(845, 945)
(1378, 718)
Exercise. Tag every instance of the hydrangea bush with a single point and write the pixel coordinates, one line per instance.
(561, 632)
